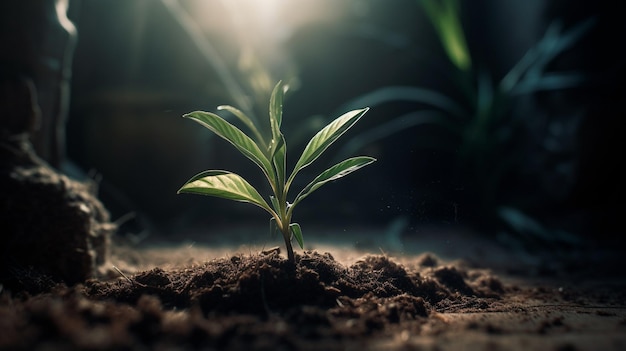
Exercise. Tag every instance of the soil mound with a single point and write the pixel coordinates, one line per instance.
(246, 302)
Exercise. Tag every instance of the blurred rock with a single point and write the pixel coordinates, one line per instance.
(52, 226)
(54, 229)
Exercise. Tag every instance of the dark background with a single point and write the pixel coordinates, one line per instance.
(136, 70)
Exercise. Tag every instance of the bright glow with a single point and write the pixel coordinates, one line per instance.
(259, 27)
(255, 20)
(274, 19)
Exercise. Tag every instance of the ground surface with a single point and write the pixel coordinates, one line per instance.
(444, 295)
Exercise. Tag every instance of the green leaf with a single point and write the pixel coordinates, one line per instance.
(280, 164)
(337, 171)
(236, 137)
(245, 119)
(276, 116)
(273, 227)
(297, 233)
(325, 137)
(445, 17)
(226, 185)
(275, 203)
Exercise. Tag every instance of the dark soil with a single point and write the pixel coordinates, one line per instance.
(260, 302)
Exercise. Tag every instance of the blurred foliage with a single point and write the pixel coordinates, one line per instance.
(482, 126)
(444, 16)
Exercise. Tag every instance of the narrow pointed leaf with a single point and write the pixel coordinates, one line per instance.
(276, 116)
(335, 172)
(236, 137)
(225, 185)
(280, 164)
(325, 137)
(245, 119)
(297, 233)
(276, 106)
(275, 203)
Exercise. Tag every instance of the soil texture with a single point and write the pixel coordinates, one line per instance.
(261, 302)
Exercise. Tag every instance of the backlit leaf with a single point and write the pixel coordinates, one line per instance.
(276, 116)
(236, 137)
(245, 119)
(325, 137)
(337, 171)
(225, 185)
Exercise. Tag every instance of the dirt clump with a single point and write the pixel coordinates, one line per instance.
(236, 303)
(261, 302)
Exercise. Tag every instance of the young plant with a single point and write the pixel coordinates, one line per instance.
(270, 154)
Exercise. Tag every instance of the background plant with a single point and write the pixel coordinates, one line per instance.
(269, 152)
(480, 125)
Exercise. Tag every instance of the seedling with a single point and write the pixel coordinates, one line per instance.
(270, 154)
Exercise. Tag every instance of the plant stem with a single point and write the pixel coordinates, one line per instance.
(286, 228)
(290, 255)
